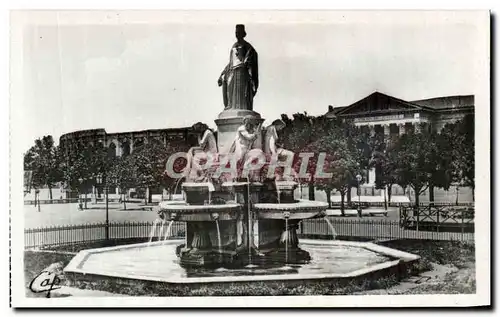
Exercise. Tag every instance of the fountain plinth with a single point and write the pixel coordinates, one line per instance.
(285, 190)
(228, 122)
(198, 193)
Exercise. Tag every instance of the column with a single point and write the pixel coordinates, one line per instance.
(371, 176)
(118, 148)
(402, 129)
(372, 129)
(416, 127)
(387, 130)
(387, 133)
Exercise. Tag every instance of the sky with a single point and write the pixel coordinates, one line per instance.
(135, 76)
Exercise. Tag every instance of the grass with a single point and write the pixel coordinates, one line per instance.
(36, 262)
(271, 288)
(457, 257)
(456, 253)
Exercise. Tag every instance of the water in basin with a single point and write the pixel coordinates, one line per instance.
(160, 261)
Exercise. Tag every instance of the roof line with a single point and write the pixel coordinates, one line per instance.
(419, 107)
(442, 97)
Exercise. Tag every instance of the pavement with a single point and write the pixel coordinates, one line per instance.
(69, 214)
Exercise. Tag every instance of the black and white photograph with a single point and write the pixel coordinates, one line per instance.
(250, 158)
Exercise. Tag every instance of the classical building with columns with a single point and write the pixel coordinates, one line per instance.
(387, 115)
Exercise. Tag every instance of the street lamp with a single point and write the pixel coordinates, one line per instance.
(101, 180)
(359, 178)
(80, 204)
(37, 194)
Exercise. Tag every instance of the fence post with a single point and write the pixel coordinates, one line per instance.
(462, 213)
(417, 209)
(438, 211)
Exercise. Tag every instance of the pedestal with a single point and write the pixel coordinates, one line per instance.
(228, 123)
(202, 249)
(288, 250)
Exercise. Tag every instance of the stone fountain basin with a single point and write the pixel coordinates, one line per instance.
(181, 211)
(157, 262)
(300, 209)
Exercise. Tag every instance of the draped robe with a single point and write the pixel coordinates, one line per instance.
(240, 77)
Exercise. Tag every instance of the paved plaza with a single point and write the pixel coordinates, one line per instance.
(68, 214)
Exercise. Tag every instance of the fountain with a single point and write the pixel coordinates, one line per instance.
(238, 230)
(241, 227)
(253, 231)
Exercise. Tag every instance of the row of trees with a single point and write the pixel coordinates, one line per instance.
(421, 159)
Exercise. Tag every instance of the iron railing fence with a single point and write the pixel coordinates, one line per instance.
(76, 200)
(373, 229)
(334, 204)
(55, 201)
(441, 217)
(92, 232)
(344, 228)
(381, 204)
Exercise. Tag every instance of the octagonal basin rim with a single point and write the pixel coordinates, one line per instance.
(195, 185)
(185, 207)
(299, 204)
(237, 184)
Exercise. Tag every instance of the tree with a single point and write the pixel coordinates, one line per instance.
(359, 146)
(342, 158)
(81, 162)
(121, 175)
(447, 171)
(167, 181)
(344, 168)
(456, 144)
(466, 162)
(42, 160)
(416, 159)
(299, 135)
(148, 164)
(73, 165)
(384, 160)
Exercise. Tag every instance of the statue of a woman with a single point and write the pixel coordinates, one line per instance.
(273, 148)
(206, 149)
(240, 78)
(246, 135)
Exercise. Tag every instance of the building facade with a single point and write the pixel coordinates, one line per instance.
(123, 143)
(386, 115)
